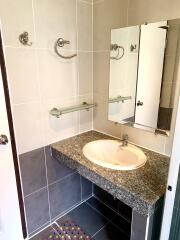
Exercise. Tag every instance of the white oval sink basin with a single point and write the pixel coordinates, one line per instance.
(111, 154)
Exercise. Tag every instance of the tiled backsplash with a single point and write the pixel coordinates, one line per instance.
(50, 188)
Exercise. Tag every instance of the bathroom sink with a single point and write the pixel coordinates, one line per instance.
(111, 154)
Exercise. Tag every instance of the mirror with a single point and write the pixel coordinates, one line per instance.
(143, 74)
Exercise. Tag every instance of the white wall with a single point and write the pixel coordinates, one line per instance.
(38, 78)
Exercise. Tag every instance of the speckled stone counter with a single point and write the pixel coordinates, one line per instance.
(140, 189)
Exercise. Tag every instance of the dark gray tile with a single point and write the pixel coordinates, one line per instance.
(111, 232)
(37, 210)
(64, 194)
(48, 233)
(87, 218)
(100, 207)
(86, 188)
(125, 211)
(175, 229)
(106, 197)
(33, 171)
(122, 224)
(155, 224)
(138, 226)
(55, 169)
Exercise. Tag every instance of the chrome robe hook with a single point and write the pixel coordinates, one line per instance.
(24, 39)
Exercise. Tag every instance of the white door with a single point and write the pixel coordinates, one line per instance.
(10, 221)
(172, 181)
(151, 60)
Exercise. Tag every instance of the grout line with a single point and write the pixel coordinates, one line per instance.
(47, 184)
(47, 49)
(112, 209)
(69, 210)
(73, 97)
(98, 1)
(92, 68)
(81, 186)
(101, 229)
(84, 1)
(77, 66)
(50, 184)
(39, 190)
(34, 233)
(98, 211)
(123, 231)
(55, 219)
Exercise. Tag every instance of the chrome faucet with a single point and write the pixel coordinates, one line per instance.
(125, 140)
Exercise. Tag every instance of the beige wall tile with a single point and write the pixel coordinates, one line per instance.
(16, 17)
(145, 139)
(39, 77)
(101, 73)
(55, 19)
(100, 118)
(28, 126)
(141, 11)
(58, 77)
(85, 72)
(106, 15)
(84, 21)
(87, 1)
(21, 69)
(65, 126)
(85, 117)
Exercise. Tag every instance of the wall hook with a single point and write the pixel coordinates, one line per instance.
(24, 39)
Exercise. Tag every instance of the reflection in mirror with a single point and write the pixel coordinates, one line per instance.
(123, 74)
(143, 74)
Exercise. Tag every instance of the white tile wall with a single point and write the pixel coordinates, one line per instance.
(38, 79)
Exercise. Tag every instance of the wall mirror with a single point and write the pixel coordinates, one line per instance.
(143, 74)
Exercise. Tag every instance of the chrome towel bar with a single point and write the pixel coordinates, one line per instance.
(84, 106)
(119, 99)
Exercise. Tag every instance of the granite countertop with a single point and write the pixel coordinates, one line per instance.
(140, 189)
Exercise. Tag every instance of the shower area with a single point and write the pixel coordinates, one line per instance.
(48, 55)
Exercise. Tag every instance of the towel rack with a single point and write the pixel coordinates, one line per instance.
(60, 43)
(84, 106)
(119, 99)
(116, 47)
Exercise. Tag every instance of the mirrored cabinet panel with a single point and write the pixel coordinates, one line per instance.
(143, 74)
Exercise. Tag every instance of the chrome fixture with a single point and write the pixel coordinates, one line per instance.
(24, 39)
(165, 27)
(84, 106)
(3, 139)
(119, 99)
(139, 103)
(133, 47)
(116, 47)
(60, 43)
(125, 140)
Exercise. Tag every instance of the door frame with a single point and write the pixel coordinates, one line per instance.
(12, 136)
(172, 181)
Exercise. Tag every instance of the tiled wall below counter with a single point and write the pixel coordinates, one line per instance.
(50, 188)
